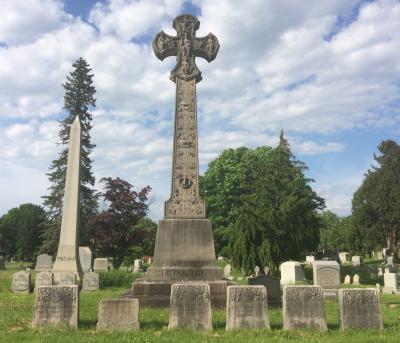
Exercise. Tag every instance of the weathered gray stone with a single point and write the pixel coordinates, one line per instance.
(379, 255)
(227, 272)
(360, 309)
(21, 282)
(101, 264)
(272, 285)
(67, 260)
(137, 265)
(347, 280)
(303, 308)
(356, 261)
(43, 279)
(90, 281)
(65, 279)
(356, 280)
(391, 282)
(43, 262)
(380, 271)
(85, 257)
(291, 273)
(256, 270)
(56, 306)
(327, 275)
(190, 307)
(247, 307)
(118, 314)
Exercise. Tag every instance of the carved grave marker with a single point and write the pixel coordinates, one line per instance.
(118, 314)
(272, 286)
(327, 275)
(90, 281)
(43, 279)
(21, 282)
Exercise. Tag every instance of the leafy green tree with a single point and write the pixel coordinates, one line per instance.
(376, 203)
(114, 229)
(78, 99)
(271, 209)
(20, 229)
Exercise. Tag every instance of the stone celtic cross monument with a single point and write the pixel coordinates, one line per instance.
(184, 248)
(67, 260)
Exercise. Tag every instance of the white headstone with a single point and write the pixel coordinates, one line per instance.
(67, 260)
(291, 272)
(256, 270)
(356, 280)
(327, 275)
(356, 261)
(137, 265)
(227, 272)
(101, 264)
(43, 262)
(85, 256)
(343, 257)
(391, 282)
(310, 259)
(347, 280)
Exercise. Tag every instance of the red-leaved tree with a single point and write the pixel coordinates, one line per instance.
(112, 230)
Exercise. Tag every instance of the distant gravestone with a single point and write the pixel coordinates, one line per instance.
(246, 307)
(118, 314)
(356, 261)
(356, 280)
(56, 306)
(343, 257)
(291, 272)
(220, 258)
(227, 272)
(21, 282)
(85, 257)
(379, 255)
(190, 307)
(43, 279)
(137, 265)
(66, 279)
(303, 308)
(256, 270)
(380, 271)
(272, 285)
(310, 259)
(266, 270)
(90, 281)
(347, 280)
(44, 262)
(390, 282)
(101, 265)
(360, 309)
(390, 264)
(327, 275)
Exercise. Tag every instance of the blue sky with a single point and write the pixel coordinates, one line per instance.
(327, 72)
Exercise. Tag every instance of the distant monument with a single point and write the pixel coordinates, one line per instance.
(67, 260)
(184, 249)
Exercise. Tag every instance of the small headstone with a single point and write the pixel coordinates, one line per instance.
(272, 285)
(303, 308)
(343, 257)
(390, 264)
(137, 265)
(378, 287)
(43, 279)
(256, 270)
(347, 280)
(27, 269)
(310, 260)
(85, 257)
(327, 275)
(44, 262)
(246, 308)
(356, 280)
(90, 281)
(291, 272)
(356, 261)
(359, 309)
(21, 282)
(379, 255)
(266, 270)
(384, 250)
(65, 279)
(56, 306)
(220, 258)
(227, 272)
(118, 314)
(380, 271)
(190, 306)
(101, 265)
(390, 282)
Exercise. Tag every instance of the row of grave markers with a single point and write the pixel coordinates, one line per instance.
(190, 308)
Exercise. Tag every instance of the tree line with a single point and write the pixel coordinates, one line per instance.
(261, 204)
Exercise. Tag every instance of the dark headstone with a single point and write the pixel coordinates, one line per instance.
(271, 284)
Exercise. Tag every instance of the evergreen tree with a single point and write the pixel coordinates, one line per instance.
(78, 99)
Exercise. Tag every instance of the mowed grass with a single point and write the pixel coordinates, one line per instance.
(16, 316)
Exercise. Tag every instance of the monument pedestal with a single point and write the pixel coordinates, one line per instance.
(184, 252)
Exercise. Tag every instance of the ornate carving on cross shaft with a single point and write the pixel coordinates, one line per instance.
(185, 200)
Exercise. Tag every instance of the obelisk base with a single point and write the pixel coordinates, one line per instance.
(184, 252)
(66, 262)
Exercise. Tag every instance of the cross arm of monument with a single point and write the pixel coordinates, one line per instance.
(186, 47)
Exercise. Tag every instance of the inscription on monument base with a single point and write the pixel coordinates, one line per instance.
(56, 306)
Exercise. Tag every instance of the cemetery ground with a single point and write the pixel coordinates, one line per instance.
(16, 315)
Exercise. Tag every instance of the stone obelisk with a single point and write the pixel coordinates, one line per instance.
(184, 249)
(67, 260)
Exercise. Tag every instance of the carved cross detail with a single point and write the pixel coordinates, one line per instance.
(186, 47)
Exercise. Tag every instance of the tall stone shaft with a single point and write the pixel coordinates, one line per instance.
(67, 260)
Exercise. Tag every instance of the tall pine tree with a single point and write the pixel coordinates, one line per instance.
(78, 99)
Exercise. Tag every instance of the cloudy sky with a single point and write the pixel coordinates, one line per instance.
(328, 72)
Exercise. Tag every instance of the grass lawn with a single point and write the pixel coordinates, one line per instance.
(16, 316)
